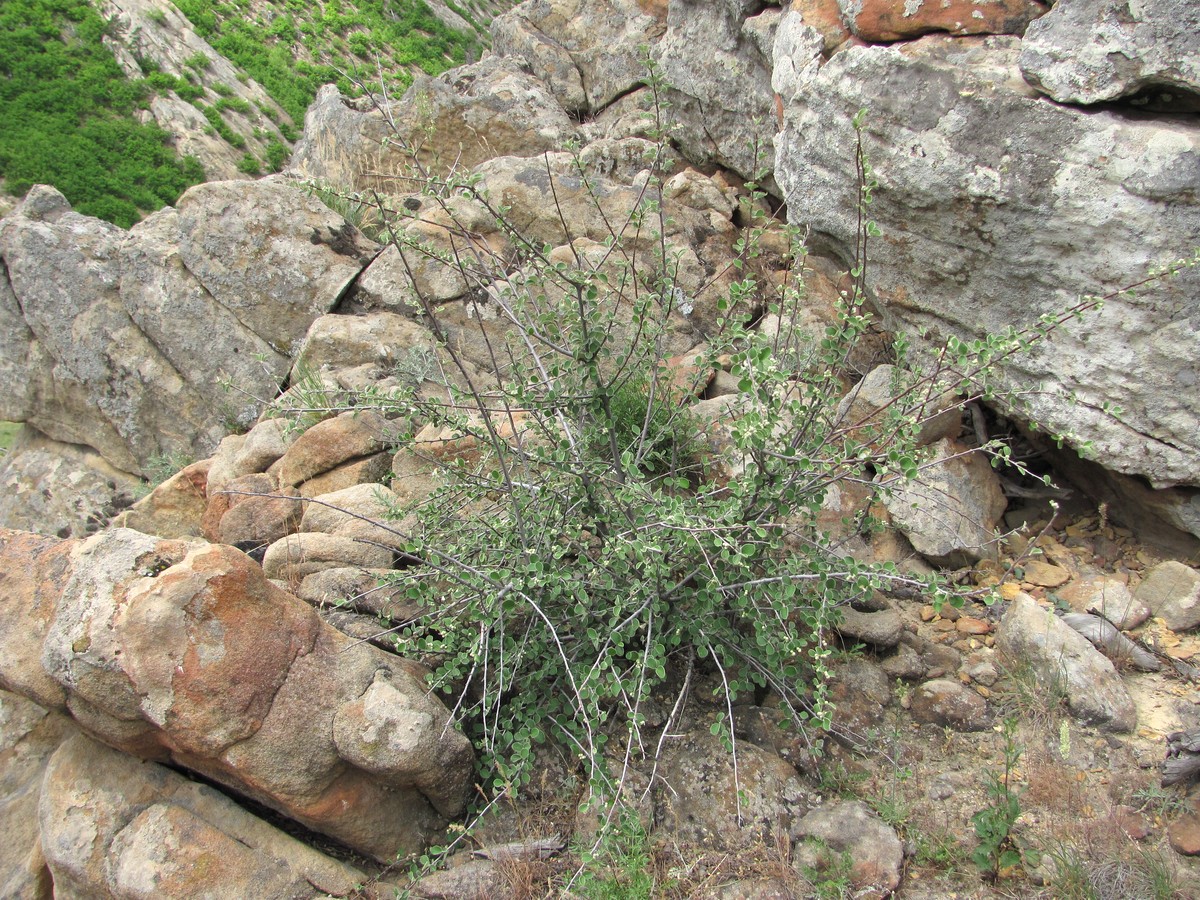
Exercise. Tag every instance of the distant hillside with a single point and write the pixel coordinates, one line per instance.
(123, 104)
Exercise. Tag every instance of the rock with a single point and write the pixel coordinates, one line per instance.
(276, 285)
(876, 852)
(1064, 660)
(174, 509)
(363, 512)
(716, 61)
(33, 573)
(823, 16)
(949, 704)
(980, 182)
(361, 590)
(457, 119)
(1109, 597)
(382, 338)
(887, 20)
(949, 511)
(185, 652)
(257, 521)
(880, 628)
(114, 826)
(296, 556)
(132, 333)
(1093, 51)
(61, 489)
(28, 736)
(1043, 574)
(859, 691)
(327, 445)
(251, 453)
(1172, 592)
(386, 732)
(705, 801)
(473, 878)
(589, 52)
(865, 407)
(906, 663)
(1184, 835)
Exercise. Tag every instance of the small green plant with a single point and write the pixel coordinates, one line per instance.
(161, 466)
(994, 823)
(618, 866)
(1160, 801)
(830, 874)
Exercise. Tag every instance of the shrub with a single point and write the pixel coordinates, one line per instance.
(586, 550)
(590, 551)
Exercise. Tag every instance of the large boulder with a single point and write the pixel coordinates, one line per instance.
(715, 60)
(183, 652)
(126, 340)
(66, 490)
(589, 52)
(1093, 51)
(454, 121)
(114, 826)
(997, 207)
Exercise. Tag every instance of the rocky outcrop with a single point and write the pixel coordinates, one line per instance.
(449, 123)
(1092, 51)
(588, 52)
(113, 826)
(992, 202)
(184, 652)
(716, 62)
(125, 340)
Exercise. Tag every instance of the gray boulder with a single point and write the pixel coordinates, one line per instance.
(1063, 660)
(1092, 51)
(587, 51)
(126, 339)
(454, 121)
(997, 207)
(716, 59)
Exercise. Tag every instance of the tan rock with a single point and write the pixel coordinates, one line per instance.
(175, 508)
(116, 826)
(366, 470)
(293, 557)
(328, 444)
(1043, 574)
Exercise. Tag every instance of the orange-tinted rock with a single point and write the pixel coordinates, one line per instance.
(826, 17)
(33, 572)
(333, 442)
(184, 651)
(175, 508)
(896, 20)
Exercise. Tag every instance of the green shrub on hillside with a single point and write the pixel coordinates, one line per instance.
(68, 113)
